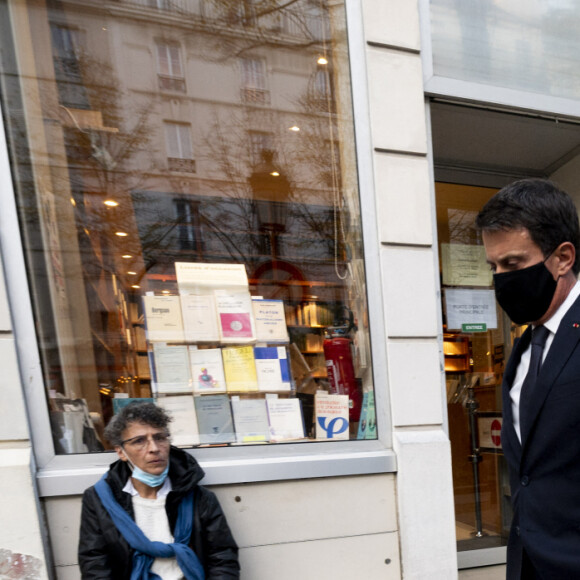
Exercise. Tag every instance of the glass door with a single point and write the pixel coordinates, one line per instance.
(477, 341)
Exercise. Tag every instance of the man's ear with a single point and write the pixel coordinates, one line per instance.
(121, 453)
(566, 255)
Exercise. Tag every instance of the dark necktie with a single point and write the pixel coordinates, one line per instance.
(539, 336)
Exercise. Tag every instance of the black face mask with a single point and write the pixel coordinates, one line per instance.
(525, 294)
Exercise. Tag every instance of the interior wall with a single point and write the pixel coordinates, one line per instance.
(568, 178)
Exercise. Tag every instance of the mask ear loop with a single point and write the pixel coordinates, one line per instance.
(131, 465)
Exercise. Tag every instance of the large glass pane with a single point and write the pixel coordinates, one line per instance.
(477, 341)
(186, 181)
(527, 45)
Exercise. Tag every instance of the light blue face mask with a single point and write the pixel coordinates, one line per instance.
(148, 478)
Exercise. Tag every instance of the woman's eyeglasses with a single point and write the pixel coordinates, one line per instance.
(141, 441)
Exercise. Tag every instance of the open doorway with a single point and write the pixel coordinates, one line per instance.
(477, 150)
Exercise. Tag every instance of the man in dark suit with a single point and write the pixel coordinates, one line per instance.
(532, 242)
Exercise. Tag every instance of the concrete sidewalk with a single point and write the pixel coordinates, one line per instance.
(485, 573)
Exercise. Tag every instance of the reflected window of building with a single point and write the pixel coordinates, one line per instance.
(188, 224)
(179, 147)
(160, 4)
(254, 88)
(195, 249)
(170, 67)
(259, 142)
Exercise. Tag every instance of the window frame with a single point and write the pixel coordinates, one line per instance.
(437, 86)
(254, 83)
(60, 475)
(182, 129)
(170, 81)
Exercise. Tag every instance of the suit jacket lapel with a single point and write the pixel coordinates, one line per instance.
(564, 343)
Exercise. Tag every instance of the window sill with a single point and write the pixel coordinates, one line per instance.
(72, 474)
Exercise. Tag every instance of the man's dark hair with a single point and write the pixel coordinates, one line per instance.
(538, 205)
(135, 412)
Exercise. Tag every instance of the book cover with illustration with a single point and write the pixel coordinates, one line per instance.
(207, 370)
(331, 412)
(235, 316)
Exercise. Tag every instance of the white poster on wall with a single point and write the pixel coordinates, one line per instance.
(465, 306)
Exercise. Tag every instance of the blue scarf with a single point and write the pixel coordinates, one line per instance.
(146, 550)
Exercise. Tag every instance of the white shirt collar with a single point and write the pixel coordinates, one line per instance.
(554, 322)
(161, 492)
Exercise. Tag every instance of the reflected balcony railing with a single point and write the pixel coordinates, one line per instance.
(295, 22)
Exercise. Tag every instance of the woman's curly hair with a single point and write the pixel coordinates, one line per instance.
(135, 412)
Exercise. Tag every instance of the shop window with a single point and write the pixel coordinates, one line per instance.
(232, 293)
(170, 68)
(179, 147)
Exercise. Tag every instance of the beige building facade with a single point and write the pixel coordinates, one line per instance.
(405, 140)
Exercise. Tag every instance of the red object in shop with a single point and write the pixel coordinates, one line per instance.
(340, 368)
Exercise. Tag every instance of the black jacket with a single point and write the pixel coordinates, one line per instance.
(104, 553)
(545, 466)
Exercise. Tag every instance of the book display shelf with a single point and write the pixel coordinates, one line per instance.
(232, 368)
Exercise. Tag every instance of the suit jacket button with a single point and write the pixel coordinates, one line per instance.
(525, 480)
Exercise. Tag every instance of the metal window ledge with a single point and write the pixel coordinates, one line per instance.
(72, 474)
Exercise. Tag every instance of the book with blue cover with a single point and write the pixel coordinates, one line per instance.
(272, 368)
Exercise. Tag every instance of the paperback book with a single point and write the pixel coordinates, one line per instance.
(199, 315)
(207, 370)
(272, 368)
(163, 321)
(331, 412)
(367, 427)
(171, 369)
(214, 419)
(235, 316)
(285, 419)
(250, 420)
(240, 369)
(184, 429)
(270, 320)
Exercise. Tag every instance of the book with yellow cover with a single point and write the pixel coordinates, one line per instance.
(240, 369)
